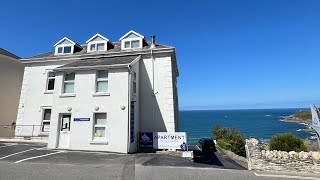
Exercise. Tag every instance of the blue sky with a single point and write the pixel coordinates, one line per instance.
(231, 54)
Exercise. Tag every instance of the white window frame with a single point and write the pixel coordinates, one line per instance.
(72, 81)
(101, 80)
(96, 125)
(63, 46)
(45, 120)
(47, 84)
(96, 45)
(130, 40)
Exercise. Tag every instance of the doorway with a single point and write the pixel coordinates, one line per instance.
(64, 134)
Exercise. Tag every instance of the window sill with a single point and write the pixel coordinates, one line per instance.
(67, 95)
(102, 142)
(100, 94)
(48, 92)
(44, 133)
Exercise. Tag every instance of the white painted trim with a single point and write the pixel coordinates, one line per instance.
(100, 94)
(93, 67)
(96, 49)
(63, 46)
(130, 40)
(65, 38)
(131, 31)
(94, 36)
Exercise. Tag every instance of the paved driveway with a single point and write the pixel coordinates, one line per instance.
(35, 161)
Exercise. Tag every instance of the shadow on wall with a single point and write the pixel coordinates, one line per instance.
(151, 118)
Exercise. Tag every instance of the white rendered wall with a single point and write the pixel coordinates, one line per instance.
(83, 106)
(157, 112)
(11, 74)
(34, 97)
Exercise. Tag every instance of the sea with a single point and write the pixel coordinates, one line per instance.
(262, 124)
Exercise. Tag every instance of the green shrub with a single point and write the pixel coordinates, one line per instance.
(230, 139)
(287, 142)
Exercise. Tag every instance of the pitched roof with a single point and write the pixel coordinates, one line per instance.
(99, 62)
(117, 48)
(9, 54)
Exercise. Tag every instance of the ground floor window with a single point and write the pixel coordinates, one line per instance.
(46, 120)
(100, 123)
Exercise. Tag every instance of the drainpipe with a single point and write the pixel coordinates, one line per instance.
(153, 93)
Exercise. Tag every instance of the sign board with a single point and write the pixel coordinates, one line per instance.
(167, 140)
(132, 122)
(146, 140)
(81, 119)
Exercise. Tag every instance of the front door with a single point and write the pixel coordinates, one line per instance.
(64, 137)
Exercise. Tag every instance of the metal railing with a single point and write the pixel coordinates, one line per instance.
(23, 131)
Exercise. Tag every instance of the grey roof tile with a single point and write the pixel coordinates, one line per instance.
(9, 54)
(87, 63)
(117, 48)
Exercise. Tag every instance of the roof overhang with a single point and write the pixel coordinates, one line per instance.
(133, 32)
(97, 35)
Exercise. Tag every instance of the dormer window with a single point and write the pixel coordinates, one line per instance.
(66, 46)
(132, 40)
(98, 43)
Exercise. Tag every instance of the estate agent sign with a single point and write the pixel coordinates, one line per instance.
(163, 140)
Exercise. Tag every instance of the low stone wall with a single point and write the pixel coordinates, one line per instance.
(280, 160)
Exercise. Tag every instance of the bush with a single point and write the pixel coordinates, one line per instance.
(287, 142)
(229, 139)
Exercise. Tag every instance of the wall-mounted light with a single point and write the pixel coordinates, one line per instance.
(122, 107)
(69, 108)
(96, 108)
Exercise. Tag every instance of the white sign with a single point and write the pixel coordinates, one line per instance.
(167, 140)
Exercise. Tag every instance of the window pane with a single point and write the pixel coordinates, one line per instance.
(69, 77)
(134, 87)
(99, 132)
(46, 126)
(51, 84)
(135, 44)
(60, 50)
(52, 74)
(67, 49)
(68, 87)
(100, 46)
(102, 86)
(92, 47)
(100, 118)
(102, 74)
(47, 114)
(127, 44)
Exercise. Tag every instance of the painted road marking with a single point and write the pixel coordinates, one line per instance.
(286, 176)
(39, 156)
(18, 153)
(7, 145)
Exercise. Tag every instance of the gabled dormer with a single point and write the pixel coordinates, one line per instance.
(66, 46)
(132, 40)
(98, 43)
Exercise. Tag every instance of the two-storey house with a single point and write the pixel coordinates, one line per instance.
(100, 95)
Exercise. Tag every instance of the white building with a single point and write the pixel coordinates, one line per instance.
(100, 95)
(11, 73)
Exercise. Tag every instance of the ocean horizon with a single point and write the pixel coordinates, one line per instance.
(259, 123)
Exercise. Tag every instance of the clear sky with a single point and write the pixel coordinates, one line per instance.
(231, 54)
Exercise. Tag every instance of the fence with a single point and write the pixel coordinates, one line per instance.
(23, 131)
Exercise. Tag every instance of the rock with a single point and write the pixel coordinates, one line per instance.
(293, 155)
(316, 155)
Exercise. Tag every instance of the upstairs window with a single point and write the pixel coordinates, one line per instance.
(98, 43)
(50, 81)
(66, 46)
(64, 50)
(102, 81)
(132, 40)
(97, 47)
(68, 84)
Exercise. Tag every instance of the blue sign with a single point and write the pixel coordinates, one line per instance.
(81, 119)
(132, 122)
(146, 140)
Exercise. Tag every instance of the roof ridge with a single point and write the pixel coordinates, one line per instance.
(9, 54)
